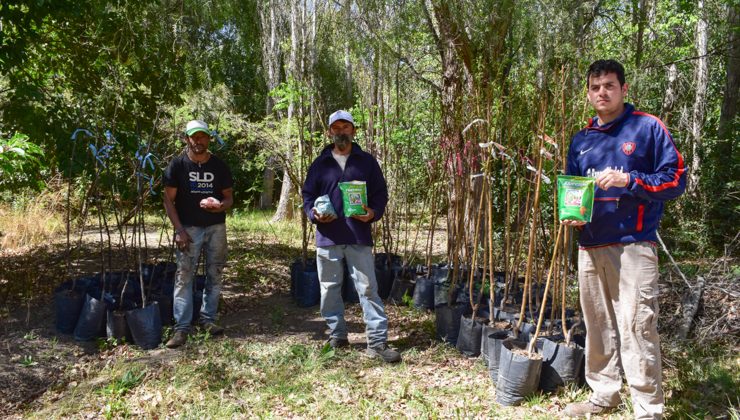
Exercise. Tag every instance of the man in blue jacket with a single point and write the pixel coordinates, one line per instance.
(637, 168)
(348, 238)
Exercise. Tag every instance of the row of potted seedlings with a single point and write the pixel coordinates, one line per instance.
(125, 305)
(395, 280)
(521, 356)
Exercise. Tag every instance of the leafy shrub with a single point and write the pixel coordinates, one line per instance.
(20, 163)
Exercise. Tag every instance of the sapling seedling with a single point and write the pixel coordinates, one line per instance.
(28, 361)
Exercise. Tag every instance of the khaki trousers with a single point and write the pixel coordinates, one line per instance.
(619, 299)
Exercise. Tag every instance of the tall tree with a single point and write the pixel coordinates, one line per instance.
(284, 209)
(728, 116)
(271, 23)
(640, 15)
(700, 84)
(725, 163)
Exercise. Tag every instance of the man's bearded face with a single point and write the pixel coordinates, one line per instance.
(342, 141)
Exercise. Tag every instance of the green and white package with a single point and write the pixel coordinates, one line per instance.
(354, 196)
(575, 198)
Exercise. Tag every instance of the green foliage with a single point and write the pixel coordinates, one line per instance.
(408, 299)
(125, 383)
(120, 66)
(107, 343)
(21, 163)
(290, 92)
(114, 392)
(142, 69)
(28, 361)
(308, 357)
(30, 336)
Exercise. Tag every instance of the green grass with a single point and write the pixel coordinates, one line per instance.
(230, 377)
(293, 377)
(704, 381)
(257, 224)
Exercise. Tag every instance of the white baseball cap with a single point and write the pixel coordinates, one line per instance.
(196, 125)
(341, 115)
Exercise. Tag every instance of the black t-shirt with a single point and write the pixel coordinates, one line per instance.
(195, 182)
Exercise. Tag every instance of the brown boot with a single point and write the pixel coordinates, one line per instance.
(177, 340)
(585, 409)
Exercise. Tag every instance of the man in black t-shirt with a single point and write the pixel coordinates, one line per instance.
(197, 193)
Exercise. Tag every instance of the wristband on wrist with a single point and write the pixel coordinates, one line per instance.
(178, 231)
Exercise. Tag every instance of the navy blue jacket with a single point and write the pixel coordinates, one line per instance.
(637, 143)
(324, 176)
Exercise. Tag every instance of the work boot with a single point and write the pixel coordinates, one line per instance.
(585, 409)
(384, 352)
(177, 340)
(338, 343)
(211, 328)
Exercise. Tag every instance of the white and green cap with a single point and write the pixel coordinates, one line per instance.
(197, 125)
(341, 115)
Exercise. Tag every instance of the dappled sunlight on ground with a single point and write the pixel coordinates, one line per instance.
(271, 360)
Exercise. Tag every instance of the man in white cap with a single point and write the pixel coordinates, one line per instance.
(348, 238)
(197, 193)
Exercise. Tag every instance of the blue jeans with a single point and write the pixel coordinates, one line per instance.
(213, 238)
(362, 271)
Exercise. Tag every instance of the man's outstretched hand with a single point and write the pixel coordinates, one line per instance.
(611, 178)
(367, 217)
(182, 240)
(574, 223)
(323, 218)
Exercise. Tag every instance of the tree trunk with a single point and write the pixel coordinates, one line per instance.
(269, 19)
(700, 81)
(268, 186)
(284, 210)
(347, 59)
(652, 9)
(313, 123)
(721, 212)
(639, 17)
(727, 124)
(451, 133)
(669, 99)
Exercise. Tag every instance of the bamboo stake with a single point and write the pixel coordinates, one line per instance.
(564, 283)
(532, 239)
(555, 292)
(430, 245)
(507, 233)
(520, 239)
(478, 216)
(102, 245)
(69, 210)
(491, 277)
(547, 286)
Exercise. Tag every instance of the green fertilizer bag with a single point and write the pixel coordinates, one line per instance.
(575, 198)
(354, 195)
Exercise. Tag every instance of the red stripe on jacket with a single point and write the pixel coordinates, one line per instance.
(681, 168)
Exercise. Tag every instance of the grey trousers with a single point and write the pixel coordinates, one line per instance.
(619, 299)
